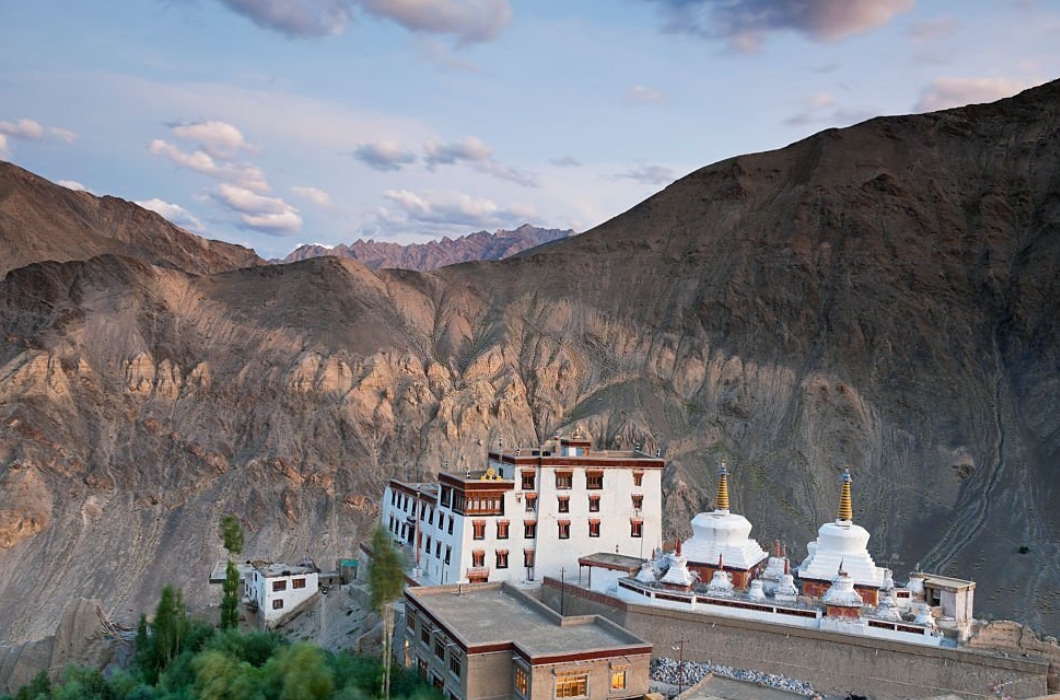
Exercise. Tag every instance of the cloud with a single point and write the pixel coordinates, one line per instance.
(434, 51)
(318, 197)
(25, 129)
(479, 155)
(73, 185)
(641, 95)
(242, 174)
(296, 18)
(468, 21)
(649, 175)
(745, 23)
(174, 213)
(29, 130)
(218, 139)
(566, 162)
(437, 210)
(944, 93)
(269, 215)
(470, 149)
(384, 156)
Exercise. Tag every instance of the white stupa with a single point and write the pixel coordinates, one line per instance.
(842, 542)
(678, 574)
(721, 534)
(842, 593)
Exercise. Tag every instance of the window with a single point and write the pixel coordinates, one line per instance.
(594, 480)
(572, 685)
(447, 496)
(425, 635)
(502, 558)
(451, 519)
(564, 480)
(298, 583)
(277, 604)
(455, 665)
(528, 558)
(427, 547)
(594, 504)
(564, 529)
(531, 499)
(521, 681)
(594, 528)
(529, 529)
(439, 648)
(448, 553)
(638, 478)
(480, 529)
(279, 585)
(564, 504)
(478, 559)
(618, 679)
(638, 501)
(438, 549)
(502, 529)
(410, 621)
(636, 527)
(422, 668)
(529, 480)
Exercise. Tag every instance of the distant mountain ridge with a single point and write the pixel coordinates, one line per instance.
(481, 245)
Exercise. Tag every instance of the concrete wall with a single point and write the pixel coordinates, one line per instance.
(834, 664)
(489, 676)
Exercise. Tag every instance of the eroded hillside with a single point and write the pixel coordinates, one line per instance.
(882, 296)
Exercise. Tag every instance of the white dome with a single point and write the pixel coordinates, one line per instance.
(724, 534)
(841, 542)
(678, 573)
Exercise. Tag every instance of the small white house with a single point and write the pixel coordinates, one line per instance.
(279, 589)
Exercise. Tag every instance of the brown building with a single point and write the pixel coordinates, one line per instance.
(485, 641)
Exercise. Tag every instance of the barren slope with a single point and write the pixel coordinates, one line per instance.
(40, 220)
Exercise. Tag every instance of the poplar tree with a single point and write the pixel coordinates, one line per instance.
(232, 535)
(386, 580)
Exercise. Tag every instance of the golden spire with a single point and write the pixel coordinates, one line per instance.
(846, 509)
(723, 488)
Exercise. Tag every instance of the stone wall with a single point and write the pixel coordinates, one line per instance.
(833, 663)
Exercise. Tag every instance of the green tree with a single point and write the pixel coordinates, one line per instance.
(161, 641)
(301, 672)
(40, 688)
(386, 580)
(232, 535)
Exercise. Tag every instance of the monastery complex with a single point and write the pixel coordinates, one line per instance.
(499, 603)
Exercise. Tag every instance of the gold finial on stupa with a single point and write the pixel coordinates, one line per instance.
(846, 508)
(723, 488)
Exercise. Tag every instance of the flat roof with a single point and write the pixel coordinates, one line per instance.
(274, 570)
(491, 616)
(610, 560)
(945, 581)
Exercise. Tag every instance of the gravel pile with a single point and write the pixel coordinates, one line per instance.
(666, 671)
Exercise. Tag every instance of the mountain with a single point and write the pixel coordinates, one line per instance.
(882, 296)
(481, 245)
(40, 220)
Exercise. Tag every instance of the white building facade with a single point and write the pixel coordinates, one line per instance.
(278, 589)
(531, 513)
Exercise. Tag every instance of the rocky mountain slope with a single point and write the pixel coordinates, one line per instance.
(40, 220)
(882, 296)
(481, 245)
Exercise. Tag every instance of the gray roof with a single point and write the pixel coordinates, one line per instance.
(488, 614)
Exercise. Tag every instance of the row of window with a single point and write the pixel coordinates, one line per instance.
(478, 558)
(594, 479)
(636, 529)
(440, 647)
(281, 585)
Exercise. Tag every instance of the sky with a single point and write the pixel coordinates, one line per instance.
(273, 123)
